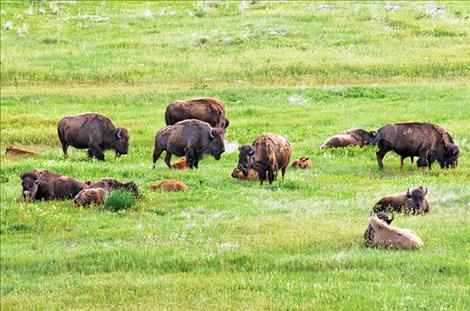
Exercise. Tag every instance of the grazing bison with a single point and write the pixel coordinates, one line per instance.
(427, 141)
(381, 234)
(413, 201)
(351, 137)
(267, 153)
(190, 138)
(94, 132)
(252, 174)
(303, 163)
(180, 165)
(44, 185)
(90, 196)
(19, 151)
(210, 110)
(169, 185)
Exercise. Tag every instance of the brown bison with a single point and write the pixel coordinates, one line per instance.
(19, 151)
(351, 137)
(94, 132)
(303, 163)
(252, 174)
(381, 234)
(369, 233)
(210, 110)
(267, 153)
(112, 184)
(44, 185)
(190, 138)
(169, 185)
(90, 196)
(180, 165)
(427, 141)
(413, 201)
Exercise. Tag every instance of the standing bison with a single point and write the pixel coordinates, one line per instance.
(94, 132)
(427, 141)
(267, 153)
(210, 110)
(189, 138)
(44, 185)
(351, 137)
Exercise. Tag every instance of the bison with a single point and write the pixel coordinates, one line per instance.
(96, 192)
(252, 174)
(303, 163)
(427, 141)
(43, 185)
(112, 184)
(19, 151)
(413, 201)
(180, 165)
(267, 153)
(169, 185)
(380, 233)
(190, 138)
(90, 196)
(210, 110)
(94, 132)
(369, 233)
(351, 137)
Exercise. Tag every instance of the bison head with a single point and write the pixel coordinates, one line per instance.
(450, 158)
(245, 158)
(120, 141)
(418, 200)
(385, 217)
(30, 183)
(216, 142)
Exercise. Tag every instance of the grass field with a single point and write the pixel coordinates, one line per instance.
(305, 70)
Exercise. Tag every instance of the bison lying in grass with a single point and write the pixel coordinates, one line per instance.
(169, 185)
(96, 192)
(380, 233)
(351, 137)
(302, 163)
(252, 174)
(413, 201)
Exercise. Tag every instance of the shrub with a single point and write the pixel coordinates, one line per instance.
(119, 200)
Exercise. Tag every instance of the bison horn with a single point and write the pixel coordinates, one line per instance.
(391, 218)
(251, 152)
(211, 134)
(408, 193)
(118, 134)
(456, 151)
(426, 192)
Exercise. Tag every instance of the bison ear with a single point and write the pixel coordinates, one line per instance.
(408, 195)
(306, 159)
(118, 133)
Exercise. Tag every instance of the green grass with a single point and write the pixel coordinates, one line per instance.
(293, 69)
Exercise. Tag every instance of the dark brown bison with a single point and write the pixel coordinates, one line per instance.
(169, 185)
(413, 201)
(351, 137)
(190, 138)
(380, 233)
(427, 141)
(252, 174)
(267, 153)
(210, 110)
(302, 163)
(94, 132)
(19, 151)
(44, 185)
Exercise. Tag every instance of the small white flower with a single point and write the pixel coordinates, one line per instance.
(54, 9)
(30, 11)
(8, 25)
(243, 5)
(2, 12)
(147, 13)
(226, 246)
(42, 11)
(392, 8)
(230, 146)
(22, 30)
(297, 100)
(325, 7)
(190, 13)
(19, 17)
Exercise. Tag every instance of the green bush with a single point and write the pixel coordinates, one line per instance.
(119, 200)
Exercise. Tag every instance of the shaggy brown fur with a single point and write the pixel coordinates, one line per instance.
(303, 163)
(180, 165)
(413, 201)
(384, 235)
(19, 151)
(252, 174)
(369, 233)
(351, 137)
(90, 196)
(110, 184)
(169, 185)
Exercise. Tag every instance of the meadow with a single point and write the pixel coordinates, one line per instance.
(304, 70)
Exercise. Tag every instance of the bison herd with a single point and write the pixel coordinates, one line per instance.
(196, 128)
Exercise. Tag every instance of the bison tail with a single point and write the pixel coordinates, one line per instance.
(167, 117)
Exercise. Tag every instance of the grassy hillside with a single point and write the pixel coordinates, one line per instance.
(305, 70)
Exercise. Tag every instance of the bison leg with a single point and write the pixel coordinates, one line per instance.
(167, 159)
(262, 175)
(190, 158)
(271, 175)
(402, 158)
(380, 155)
(96, 151)
(283, 172)
(64, 149)
(423, 159)
(412, 160)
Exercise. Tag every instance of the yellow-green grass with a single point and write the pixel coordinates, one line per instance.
(305, 71)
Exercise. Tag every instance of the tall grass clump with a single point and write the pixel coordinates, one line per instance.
(119, 200)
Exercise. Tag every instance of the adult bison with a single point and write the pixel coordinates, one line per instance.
(210, 110)
(94, 132)
(42, 184)
(413, 201)
(427, 141)
(267, 153)
(190, 138)
(351, 137)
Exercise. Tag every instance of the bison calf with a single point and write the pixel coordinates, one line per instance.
(169, 185)
(190, 138)
(381, 234)
(267, 153)
(252, 174)
(42, 184)
(90, 196)
(303, 163)
(94, 132)
(413, 201)
(351, 137)
(180, 165)
(19, 151)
